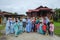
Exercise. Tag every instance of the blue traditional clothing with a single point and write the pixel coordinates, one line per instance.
(7, 27)
(28, 25)
(37, 21)
(20, 27)
(16, 28)
(12, 26)
(40, 29)
(47, 20)
(24, 23)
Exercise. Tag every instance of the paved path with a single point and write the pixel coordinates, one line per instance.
(32, 36)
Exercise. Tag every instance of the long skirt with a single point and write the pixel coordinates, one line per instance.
(37, 26)
(16, 31)
(24, 24)
(12, 29)
(28, 28)
(7, 30)
(34, 28)
(40, 30)
(21, 29)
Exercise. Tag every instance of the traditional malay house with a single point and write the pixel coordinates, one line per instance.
(40, 11)
(5, 15)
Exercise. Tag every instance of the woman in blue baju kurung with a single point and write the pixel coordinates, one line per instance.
(28, 26)
(7, 28)
(20, 26)
(12, 26)
(40, 28)
(16, 28)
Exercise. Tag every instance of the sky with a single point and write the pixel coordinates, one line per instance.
(21, 6)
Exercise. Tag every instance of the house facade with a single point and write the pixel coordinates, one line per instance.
(40, 11)
(5, 15)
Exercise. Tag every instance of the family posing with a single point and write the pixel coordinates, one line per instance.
(41, 25)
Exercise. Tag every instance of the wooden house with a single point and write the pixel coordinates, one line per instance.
(40, 11)
(5, 15)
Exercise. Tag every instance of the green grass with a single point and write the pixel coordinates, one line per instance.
(1, 28)
(57, 32)
(57, 28)
(57, 24)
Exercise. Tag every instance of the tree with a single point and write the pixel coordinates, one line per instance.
(15, 13)
(57, 11)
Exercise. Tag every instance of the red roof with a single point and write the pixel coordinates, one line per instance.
(44, 9)
(5, 13)
(40, 9)
(32, 10)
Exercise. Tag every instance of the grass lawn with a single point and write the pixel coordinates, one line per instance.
(57, 24)
(1, 28)
(57, 28)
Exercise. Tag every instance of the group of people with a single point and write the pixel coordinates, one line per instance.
(41, 25)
